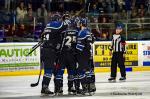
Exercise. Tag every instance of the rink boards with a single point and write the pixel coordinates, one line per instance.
(13, 59)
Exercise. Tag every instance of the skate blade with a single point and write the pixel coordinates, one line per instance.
(122, 80)
(91, 93)
(71, 93)
(45, 95)
(58, 94)
(77, 94)
(112, 81)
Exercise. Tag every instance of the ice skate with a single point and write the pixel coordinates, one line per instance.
(46, 92)
(112, 79)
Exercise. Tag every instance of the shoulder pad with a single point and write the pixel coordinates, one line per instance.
(83, 34)
(54, 25)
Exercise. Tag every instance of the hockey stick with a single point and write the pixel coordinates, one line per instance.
(37, 83)
(41, 66)
(35, 47)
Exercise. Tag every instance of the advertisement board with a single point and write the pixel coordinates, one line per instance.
(145, 53)
(13, 57)
(102, 57)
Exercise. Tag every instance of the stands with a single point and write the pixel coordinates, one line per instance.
(21, 19)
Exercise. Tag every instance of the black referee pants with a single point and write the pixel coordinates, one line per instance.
(118, 59)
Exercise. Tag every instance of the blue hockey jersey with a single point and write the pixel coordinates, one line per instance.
(53, 33)
(83, 40)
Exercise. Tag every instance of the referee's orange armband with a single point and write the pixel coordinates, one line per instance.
(123, 43)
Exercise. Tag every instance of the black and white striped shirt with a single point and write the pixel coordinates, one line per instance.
(118, 43)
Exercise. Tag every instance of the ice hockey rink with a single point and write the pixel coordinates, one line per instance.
(137, 86)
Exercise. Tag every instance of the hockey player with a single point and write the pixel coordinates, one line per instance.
(83, 56)
(67, 60)
(52, 44)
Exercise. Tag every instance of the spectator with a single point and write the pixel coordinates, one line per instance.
(134, 13)
(21, 31)
(48, 4)
(42, 14)
(61, 7)
(141, 12)
(104, 37)
(7, 4)
(94, 10)
(110, 7)
(128, 5)
(29, 20)
(29, 17)
(96, 34)
(105, 34)
(101, 6)
(148, 6)
(21, 11)
(2, 34)
(103, 19)
(115, 3)
(9, 30)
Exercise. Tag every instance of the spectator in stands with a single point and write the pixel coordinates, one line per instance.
(21, 31)
(105, 34)
(121, 4)
(104, 37)
(21, 11)
(48, 4)
(9, 30)
(103, 19)
(2, 34)
(134, 13)
(96, 33)
(42, 14)
(100, 6)
(128, 8)
(141, 12)
(94, 10)
(110, 7)
(7, 4)
(115, 3)
(61, 7)
(29, 17)
(29, 20)
(148, 6)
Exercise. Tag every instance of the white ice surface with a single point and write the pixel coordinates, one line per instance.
(137, 86)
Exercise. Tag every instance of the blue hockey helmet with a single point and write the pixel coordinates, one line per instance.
(83, 21)
(119, 26)
(56, 17)
(66, 16)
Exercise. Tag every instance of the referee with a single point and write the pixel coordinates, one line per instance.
(118, 49)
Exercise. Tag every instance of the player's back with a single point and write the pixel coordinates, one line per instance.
(70, 38)
(53, 32)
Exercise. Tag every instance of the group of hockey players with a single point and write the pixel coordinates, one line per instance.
(67, 45)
